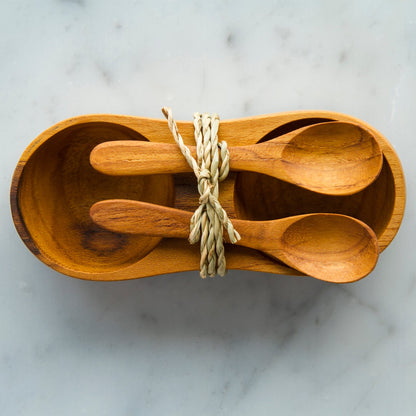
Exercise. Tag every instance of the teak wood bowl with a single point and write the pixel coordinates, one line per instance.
(54, 186)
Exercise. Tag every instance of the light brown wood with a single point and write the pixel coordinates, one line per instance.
(54, 186)
(333, 158)
(324, 246)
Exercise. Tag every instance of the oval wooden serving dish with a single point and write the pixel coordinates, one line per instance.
(54, 186)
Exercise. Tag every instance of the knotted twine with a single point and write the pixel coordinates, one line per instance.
(210, 168)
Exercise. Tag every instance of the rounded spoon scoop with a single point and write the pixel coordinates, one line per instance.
(335, 158)
(329, 247)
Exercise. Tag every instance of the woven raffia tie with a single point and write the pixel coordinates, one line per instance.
(210, 168)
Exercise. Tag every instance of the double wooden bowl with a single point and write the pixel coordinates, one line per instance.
(54, 187)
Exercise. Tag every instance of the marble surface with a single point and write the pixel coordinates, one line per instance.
(249, 343)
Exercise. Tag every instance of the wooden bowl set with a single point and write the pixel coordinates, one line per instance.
(54, 187)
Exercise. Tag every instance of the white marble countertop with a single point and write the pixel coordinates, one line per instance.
(249, 343)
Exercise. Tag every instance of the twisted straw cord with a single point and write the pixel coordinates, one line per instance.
(209, 218)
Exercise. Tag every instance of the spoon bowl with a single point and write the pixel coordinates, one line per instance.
(334, 158)
(350, 249)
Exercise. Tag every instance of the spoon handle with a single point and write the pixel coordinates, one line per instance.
(137, 217)
(129, 157)
(134, 157)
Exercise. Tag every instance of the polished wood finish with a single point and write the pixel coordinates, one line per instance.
(329, 247)
(334, 158)
(54, 187)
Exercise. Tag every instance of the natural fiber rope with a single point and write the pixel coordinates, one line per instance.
(210, 168)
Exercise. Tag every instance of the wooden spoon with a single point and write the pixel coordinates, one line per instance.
(326, 246)
(335, 158)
